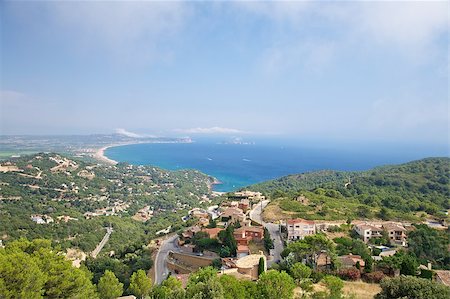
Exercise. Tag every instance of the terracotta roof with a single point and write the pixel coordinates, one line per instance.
(256, 229)
(367, 226)
(243, 248)
(232, 211)
(444, 276)
(351, 259)
(394, 226)
(299, 220)
(213, 232)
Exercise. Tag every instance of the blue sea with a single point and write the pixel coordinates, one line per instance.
(239, 165)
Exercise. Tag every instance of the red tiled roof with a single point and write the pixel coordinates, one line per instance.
(256, 229)
(299, 220)
(444, 276)
(242, 248)
(213, 232)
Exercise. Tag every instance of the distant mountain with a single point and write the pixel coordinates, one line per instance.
(422, 185)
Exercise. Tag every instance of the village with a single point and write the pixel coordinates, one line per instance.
(258, 243)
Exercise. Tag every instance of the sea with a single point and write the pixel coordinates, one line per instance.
(239, 164)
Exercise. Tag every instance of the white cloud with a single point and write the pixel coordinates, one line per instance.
(125, 30)
(212, 130)
(128, 133)
(412, 23)
(412, 28)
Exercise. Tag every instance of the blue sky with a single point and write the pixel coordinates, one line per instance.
(325, 70)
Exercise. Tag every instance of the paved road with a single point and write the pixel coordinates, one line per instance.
(102, 243)
(161, 271)
(255, 215)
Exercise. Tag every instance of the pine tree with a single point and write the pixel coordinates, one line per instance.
(109, 286)
(140, 284)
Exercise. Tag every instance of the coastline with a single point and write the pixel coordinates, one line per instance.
(100, 155)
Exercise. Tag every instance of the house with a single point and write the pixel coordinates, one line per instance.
(199, 213)
(442, 276)
(42, 219)
(242, 250)
(367, 232)
(244, 205)
(66, 218)
(203, 221)
(233, 215)
(323, 261)
(248, 265)
(351, 261)
(396, 233)
(245, 234)
(213, 232)
(298, 228)
(189, 233)
(250, 195)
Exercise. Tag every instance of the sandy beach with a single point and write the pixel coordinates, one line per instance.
(100, 155)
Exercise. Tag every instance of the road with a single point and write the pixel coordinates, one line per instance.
(255, 215)
(102, 243)
(161, 271)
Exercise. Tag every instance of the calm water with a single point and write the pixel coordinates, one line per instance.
(241, 165)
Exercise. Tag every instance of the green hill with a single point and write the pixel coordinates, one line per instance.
(396, 191)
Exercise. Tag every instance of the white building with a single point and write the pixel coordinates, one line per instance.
(298, 228)
(367, 232)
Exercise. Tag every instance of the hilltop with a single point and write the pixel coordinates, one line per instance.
(57, 197)
(409, 191)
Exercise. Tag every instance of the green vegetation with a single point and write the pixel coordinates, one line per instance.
(301, 275)
(109, 286)
(308, 250)
(39, 186)
(53, 185)
(354, 246)
(412, 288)
(35, 270)
(140, 284)
(274, 284)
(261, 266)
(268, 242)
(404, 191)
(430, 245)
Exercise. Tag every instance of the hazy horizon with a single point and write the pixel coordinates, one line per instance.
(344, 72)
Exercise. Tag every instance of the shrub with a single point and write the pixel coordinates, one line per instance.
(424, 273)
(412, 287)
(349, 274)
(374, 277)
(317, 276)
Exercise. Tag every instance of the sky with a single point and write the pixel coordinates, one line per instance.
(327, 70)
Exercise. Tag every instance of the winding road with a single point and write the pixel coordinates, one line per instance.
(274, 230)
(161, 270)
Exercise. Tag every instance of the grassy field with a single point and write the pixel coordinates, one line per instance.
(357, 289)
